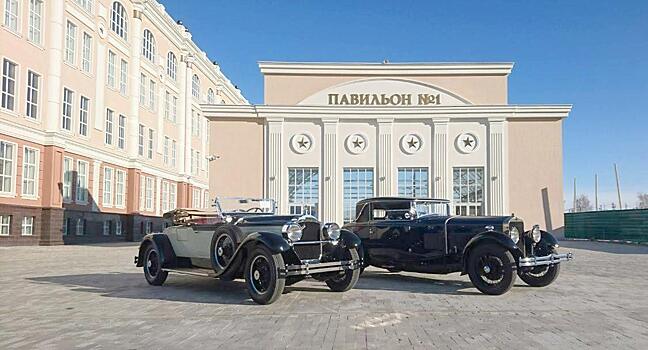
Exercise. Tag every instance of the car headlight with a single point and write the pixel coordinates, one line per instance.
(515, 234)
(293, 231)
(536, 234)
(332, 230)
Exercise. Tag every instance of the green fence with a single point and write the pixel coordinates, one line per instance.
(622, 225)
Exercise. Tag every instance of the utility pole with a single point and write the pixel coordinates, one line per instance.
(574, 202)
(596, 192)
(616, 174)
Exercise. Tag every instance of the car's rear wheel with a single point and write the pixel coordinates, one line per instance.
(491, 269)
(153, 267)
(346, 279)
(224, 245)
(541, 276)
(262, 276)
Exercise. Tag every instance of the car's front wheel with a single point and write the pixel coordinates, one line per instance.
(541, 276)
(491, 269)
(262, 276)
(153, 267)
(347, 279)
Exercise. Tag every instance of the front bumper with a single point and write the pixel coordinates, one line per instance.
(545, 260)
(314, 267)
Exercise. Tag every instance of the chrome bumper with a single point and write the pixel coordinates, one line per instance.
(545, 260)
(309, 268)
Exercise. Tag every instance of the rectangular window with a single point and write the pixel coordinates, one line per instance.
(120, 188)
(152, 95)
(30, 172)
(121, 134)
(174, 108)
(172, 195)
(142, 194)
(35, 21)
(123, 76)
(5, 225)
(112, 58)
(7, 164)
(150, 143)
(142, 90)
(11, 15)
(66, 226)
(303, 191)
(84, 107)
(167, 105)
(66, 120)
(148, 227)
(140, 140)
(149, 194)
(193, 162)
(33, 91)
(85, 4)
(118, 227)
(166, 150)
(108, 187)
(86, 54)
(80, 227)
(27, 228)
(67, 178)
(198, 161)
(413, 182)
(70, 43)
(109, 126)
(358, 185)
(207, 200)
(82, 182)
(173, 153)
(468, 191)
(106, 227)
(195, 198)
(165, 196)
(8, 84)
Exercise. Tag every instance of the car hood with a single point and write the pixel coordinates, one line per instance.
(495, 221)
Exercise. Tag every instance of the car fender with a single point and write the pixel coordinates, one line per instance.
(274, 242)
(350, 239)
(162, 244)
(489, 237)
(547, 241)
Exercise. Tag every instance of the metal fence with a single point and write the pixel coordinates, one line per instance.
(622, 225)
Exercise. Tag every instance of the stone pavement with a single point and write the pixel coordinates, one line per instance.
(70, 297)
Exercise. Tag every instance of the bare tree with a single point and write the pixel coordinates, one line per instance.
(582, 204)
(643, 200)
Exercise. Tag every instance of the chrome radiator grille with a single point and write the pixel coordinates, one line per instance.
(311, 232)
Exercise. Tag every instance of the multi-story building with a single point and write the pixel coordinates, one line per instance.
(101, 129)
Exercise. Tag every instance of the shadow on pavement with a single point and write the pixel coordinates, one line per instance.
(605, 247)
(379, 280)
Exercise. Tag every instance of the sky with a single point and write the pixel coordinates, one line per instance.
(591, 54)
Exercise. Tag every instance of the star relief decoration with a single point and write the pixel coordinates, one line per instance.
(467, 143)
(411, 143)
(301, 143)
(356, 143)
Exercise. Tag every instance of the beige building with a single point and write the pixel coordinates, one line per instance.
(330, 134)
(101, 129)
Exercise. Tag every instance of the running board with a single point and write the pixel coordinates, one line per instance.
(193, 272)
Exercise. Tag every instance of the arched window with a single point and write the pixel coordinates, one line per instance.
(210, 96)
(148, 46)
(172, 65)
(195, 86)
(119, 20)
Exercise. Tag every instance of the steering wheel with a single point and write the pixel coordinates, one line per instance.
(255, 210)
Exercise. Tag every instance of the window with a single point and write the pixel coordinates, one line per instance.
(468, 191)
(5, 225)
(66, 121)
(148, 46)
(108, 187)
(142, 194)
(206, 199)
(70, 43)
(85, 4)
(123, 76)
(167, 105)
(172, 195)
(106, 227)
(11, 15)
(142, 90)
(140, 141)
(30, 172)
(152, 95)
(83, 116)
(174, 108)
(7, 164)
(82, 182)
(166, 150)
(111, 68)
(109, 127)
(173, 153)
(121, 134)
(172, 65)
(210, 96)
(8, 84)
(193, 162)
(358, 185)
(413, 182)
(149, 194)
(118, 227)
(119, 20)
(148, 227)
(195, 198)
(198, 161)
(86, 54)
(67, 179)
(27, 228)
(303, 191)
(165, 196)
(195, 86)
(80, 227)
(33, 90)
(150, 143)
(120, 188)
(35, 21)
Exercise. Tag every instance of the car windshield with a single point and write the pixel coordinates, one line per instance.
(242, 205)
(429, 207)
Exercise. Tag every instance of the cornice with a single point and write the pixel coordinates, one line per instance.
(385, 69)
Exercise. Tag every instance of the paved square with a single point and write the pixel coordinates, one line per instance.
(93, 297)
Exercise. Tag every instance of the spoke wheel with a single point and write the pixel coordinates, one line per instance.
(346, 279)
(491, 269)
(262, 276)
(153, 268)
(225, 249)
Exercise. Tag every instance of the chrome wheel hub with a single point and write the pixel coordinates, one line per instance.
(149, 263)
(256, 275)
(220, 251)
(487, 269)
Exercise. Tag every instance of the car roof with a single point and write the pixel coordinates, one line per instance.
(378, 199)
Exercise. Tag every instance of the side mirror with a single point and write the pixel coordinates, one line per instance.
(379, 214)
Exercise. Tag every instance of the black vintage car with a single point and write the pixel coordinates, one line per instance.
(420, 235)
(269, 251)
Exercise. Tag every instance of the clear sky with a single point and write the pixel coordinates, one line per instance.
(592, 54)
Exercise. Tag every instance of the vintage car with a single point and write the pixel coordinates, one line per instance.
(420, 235)
(269, 251)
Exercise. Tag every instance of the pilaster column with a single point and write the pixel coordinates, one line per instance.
(274, 153)
(100, 88)
(385, 130)
(55, 51)
(135, 32)
(330, 169)
(188, 62)
(440, 166)
(496, 167)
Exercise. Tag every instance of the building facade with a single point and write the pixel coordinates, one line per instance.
(101, 129)
(330, 134)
